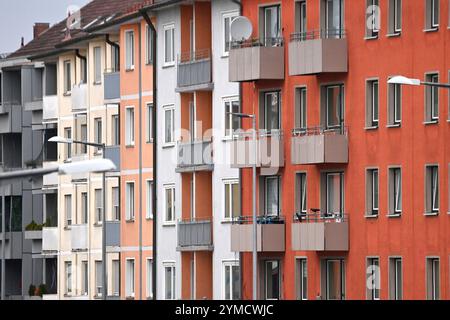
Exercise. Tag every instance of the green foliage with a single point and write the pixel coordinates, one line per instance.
(31, 290)
(33, 226)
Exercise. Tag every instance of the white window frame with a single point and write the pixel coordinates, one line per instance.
(129, 56)
(302, 192)
(171, 28)
(228, 216)
(84, 207)
(172, 190)
(171, 110)
(84, 278)
(98, 209)
(376, 275)
(301, 108)
(98, 282)
(67, 77)
(98, 133)
(68, 272)
(299, 268)
(68, 204)
(130, 288)
(115, 287)
(396, 18)
(231, 264)
(397, 189)
(130, 131)
(130, 209)
(169, 265)
(149, 199)
(149, 282)
(228, 106)
(97, 50)
(149, 122)
(231, 15)
(148, 45)
(115, 129)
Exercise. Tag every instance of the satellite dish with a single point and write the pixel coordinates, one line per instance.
(241, 29)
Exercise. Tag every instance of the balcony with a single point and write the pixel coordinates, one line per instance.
(257, 59)
(50, 180)
(13, 244)
(113, 153)
(10, 118)
(79, 97)
(32, 88)
(316, 232)
(79, 237)
(112, 85)
(50, 240)
(50, 108)
(319, 146)
(194, 156)
(319, 51)
(270, 234)
(112, 233)
(194, 71)
(269, 153)
(195, 235)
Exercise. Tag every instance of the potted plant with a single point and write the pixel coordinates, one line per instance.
(31, 290)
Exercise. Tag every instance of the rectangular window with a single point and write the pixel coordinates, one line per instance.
(432, 189)
(115, 56)
(84, 208)
(372, 190)
(232, 281)
(373, 280)
(149, 200)
(333, 18)
(372, 103)
(98, 205)
(271, 25)
(300, 109)
(83, 132)
(394, 104)
(129, 50)
(395, 17)
(68, 146)
(98, 278)
(67, 77)
(271, 110)
(395, 191)
(432, 99)
(232, 200)
(98, 132)
(68, 209)
(232, 123)
(334, 106)
(83, 70)
(84, 278)
(272, 196)
(97, 65)
(149, 284)
(68, 274)
(227, 20)
(129, 198)
(272, 280)
(169, 123)
(129, 126)
(115, 278)
(334, 189)
(334, 279)
(169, 44)
(300, 21)
(149, 45)
(129, 278)
(372, 18)
(169, 282)
(115, 203)
(149, 131)
(432, 14)
(301, 194)
(302, 278)
(115, 130)
(433, 278)
(170, 204)
(395, 279)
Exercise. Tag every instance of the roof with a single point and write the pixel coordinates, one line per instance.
(93, 13)
(4, 55)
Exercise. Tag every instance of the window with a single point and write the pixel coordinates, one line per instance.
(149, 45)
(98, 132)
(84, 208)
(232, 123)
(115, 203)
(129, 278)
(97, 65)
(169, 282)
(169, 123)
(300, 21)
(334, 191)
(272, 280)
(432, 15)
(98, 278)
(129, 198)
(432, 189)
(232, 281)
(83, 70)
(115, 130)
(395, 279)
(227, 20)
(395, 191)
(68, 209)
(68, 274)
(302, 278)
(83, 131)
(232, 200)
(395, 17)
(301, 194)
(271, 25)
(372, 104)
(300, 109)
(129, 126)
(149, 200)
(433, 279)
(333, 18)
(372, 189)
(333, 104)
(149, 284)
(394, 104)
(373, 280)
(84, 278)
(372, 18)
(169, 45)
(67, 77)
(129, 50)
(115, 278)
(334, 279)
(271, 110)
(98, 205)
(68, 146)
(272, 196)
(170, 204)
(149, 132)
(432, 99)
(115, 58)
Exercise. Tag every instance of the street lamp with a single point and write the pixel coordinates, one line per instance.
(416, 82)
(255, 237)
(102, 147)
(95, 166)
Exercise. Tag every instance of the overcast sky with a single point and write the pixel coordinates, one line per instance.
(17, 18)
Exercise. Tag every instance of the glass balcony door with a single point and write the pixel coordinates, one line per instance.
(333, 18)
(335, 194)
(272, 279)
(335, 279)
(272, 25)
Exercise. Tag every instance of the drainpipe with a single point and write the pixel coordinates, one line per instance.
(155, 149)
(3, 248)
(115, 45)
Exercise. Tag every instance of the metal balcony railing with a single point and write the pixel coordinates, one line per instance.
(321, 217)
(258, 42)
(194, 69)
(194, 234)
(320, 130)
(264, 219)
(318, 34)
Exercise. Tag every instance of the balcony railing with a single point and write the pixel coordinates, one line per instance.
(256, 59)
(79, 97)
(194, 71)
(10, 118)
(318, 145)
(50, 242)
(50, 108)
(320, 232)
(195, 156)
(318, 51)
(112, 85)
(113, 153)
(270, 234)
(79, 237)
(113, 233)
(195, 235)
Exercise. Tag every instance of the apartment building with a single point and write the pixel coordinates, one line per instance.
(354, 193)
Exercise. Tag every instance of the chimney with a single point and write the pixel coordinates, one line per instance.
(39, 28)
(22, 42)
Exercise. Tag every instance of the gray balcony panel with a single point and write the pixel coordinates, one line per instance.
(10, 118)
(195, 156)
(112, 85)
(320, 236)
(13, 245)
(194, 72)
(271, 237)
(50, 243)
(79, 97)
(194, 236)
(113, 153)
(79, 237)
(113, 233)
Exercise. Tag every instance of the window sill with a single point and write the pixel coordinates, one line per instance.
(67, 228)
(226, 221)
(129, 69)
(373, 216)
(98, 224)
(433, 29)
(225, 56)
(396, 125)
(168, 65)
(149, 141)
(169, 224)
(394, 215)
(129, 221)
(129, 298)
(97, 83)
(168, 145)
(430, 122)
(149, 63)
(67, 161)
(431, 214)
(371, 37)
(149, 219)
(371, 128)
(67, 94)
(393, 35)
(129, 145)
